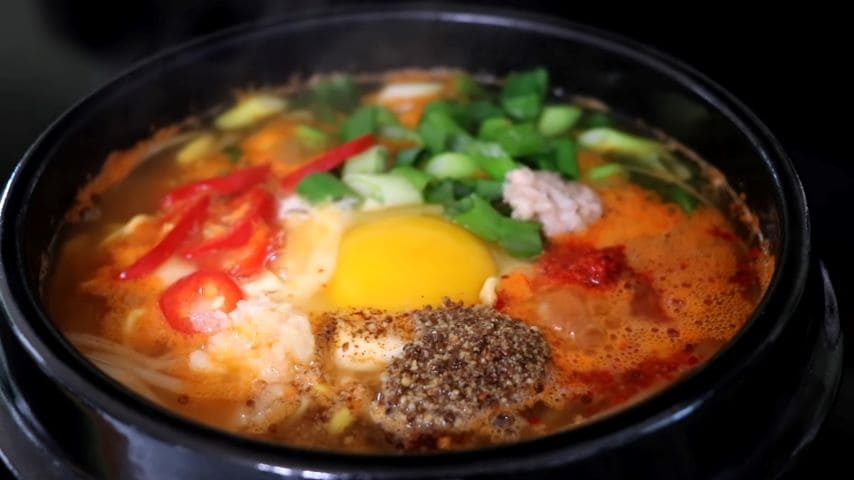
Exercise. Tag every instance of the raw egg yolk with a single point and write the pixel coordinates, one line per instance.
(407, 262)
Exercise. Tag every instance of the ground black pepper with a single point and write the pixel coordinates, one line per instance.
(465, 364)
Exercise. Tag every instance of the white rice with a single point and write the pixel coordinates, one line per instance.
(263, 339)
(267, 344)
(561, 206)
(269, 406)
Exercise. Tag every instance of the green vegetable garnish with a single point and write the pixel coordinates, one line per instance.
(477, 112)
(233, 152)
(649, 162)
(566, 158)
(458, 112)
(384, 188)
(453, 110)
(645, 153)
(312, 137)
(416, 177)
(601, 172)
(597, 119)
(449, 193)
(399, 133)
(339, 92)
(519, 238)
(492, 128)
(451, 165)
(441, 193)
(367, 119)
(686, 199)
(523, 93)
(465, 87)
(517, 140)
(408, 156)
(438, 130)
(680, 197)
(323, 187)
(558, 119)
(250, 110)
(545, 162)
(490, 158)
(372, 160)
(487, 189)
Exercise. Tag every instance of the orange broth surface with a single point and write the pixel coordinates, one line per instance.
(626, 306)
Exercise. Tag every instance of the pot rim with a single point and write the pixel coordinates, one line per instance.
(125, 410)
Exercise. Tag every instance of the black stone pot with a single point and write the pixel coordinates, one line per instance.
(748, 412)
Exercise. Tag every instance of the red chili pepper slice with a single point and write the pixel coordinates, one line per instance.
(169, 244)
(195, 303)
(328, 160)
(245, 260)
(258, 202)
(257, 205)
(250, 258)
(234, 182)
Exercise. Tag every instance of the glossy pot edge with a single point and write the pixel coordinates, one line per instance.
(794, 250)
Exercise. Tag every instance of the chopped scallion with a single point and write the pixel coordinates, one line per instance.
(523, 93)
(566, 158)
(519, 238)
(451, 165)
(602, 172)
(323, 187)
(558, 119)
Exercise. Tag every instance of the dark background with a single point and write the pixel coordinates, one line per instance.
(789, 64)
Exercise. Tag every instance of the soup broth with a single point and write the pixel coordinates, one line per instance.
(414, 261)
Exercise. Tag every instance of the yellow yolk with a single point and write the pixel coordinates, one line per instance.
(407, 262)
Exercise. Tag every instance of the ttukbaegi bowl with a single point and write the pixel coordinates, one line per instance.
(748, 412)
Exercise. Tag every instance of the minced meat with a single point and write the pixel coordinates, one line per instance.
(561, 206)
